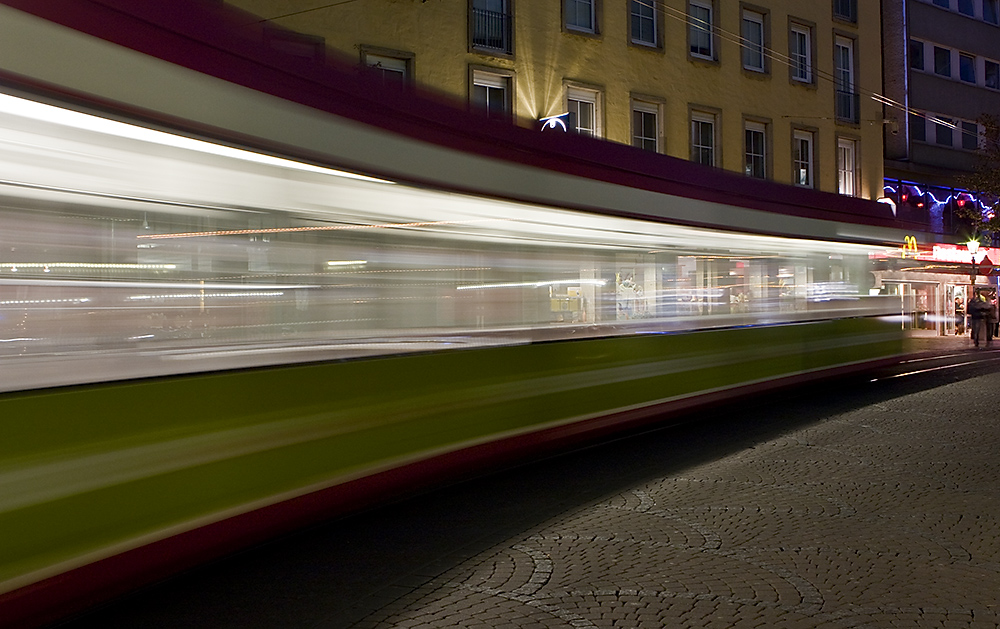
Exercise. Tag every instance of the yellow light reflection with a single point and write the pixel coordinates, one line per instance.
(14, 266)
(202, 295)
(315, 228)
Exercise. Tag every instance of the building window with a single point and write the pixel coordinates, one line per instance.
(917, 54)
(755, 156)
(701, 29)
(753, 41)
(992, 74)
(970, 136)
(942, 61)
(391, 70)
(967, 68)
(946, 4)
(644, 22)
(847, 103)
(703, 138)
(847, 167)
(492, 24)
(645, 126)
(580, 15)
(800, 51)
(582, 105)
(965, 7)
(491, 93)
(802, 158)
(991, 11)
(918, 127)
(846, 10)
(943, 133)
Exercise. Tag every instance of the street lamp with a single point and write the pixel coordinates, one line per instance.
(977, 257)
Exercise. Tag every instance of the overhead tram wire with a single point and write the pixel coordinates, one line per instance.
(294, 13)
(781, 58)
(787, 60)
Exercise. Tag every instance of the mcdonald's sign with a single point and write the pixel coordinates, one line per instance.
(910, 246)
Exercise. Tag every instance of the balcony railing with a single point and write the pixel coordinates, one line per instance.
(848, 106)
(491, 30)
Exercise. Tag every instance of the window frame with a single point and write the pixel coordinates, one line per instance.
(405, 58)
(752, 159)
(846, 142)
(944, 132)
(705, 115)
(922, 125)
(995, 11)
(852, 17)
(963, 56)
(749, 15)
(971, 5)
(647, 105)
(508, 34)
(849, 43)
(595, 17)
(576, 92)
(965, 135)
(708, 5)
(809, 136)
(807, 29)
(923, 56)
(301, 45)
(657, 21)
(937, 71)
(495, 78)
(986, 74)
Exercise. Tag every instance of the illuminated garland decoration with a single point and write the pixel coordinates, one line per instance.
(960, 197)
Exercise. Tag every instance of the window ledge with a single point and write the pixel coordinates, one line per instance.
(708, 61)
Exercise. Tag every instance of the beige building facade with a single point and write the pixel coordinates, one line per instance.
(777, 89)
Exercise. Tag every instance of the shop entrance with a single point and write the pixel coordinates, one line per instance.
(920, 306)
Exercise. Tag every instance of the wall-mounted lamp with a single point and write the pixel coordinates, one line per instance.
(554, 122)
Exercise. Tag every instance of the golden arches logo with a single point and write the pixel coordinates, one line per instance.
(910, 246)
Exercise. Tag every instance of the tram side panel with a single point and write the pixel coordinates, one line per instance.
(92, 473)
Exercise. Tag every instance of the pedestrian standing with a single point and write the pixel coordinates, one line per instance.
(979, 310)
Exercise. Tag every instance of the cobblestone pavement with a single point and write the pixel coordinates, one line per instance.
(884, 516)
(860, 504)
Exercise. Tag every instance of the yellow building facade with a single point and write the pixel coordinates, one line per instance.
(778, 89)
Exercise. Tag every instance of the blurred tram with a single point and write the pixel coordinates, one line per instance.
(228, 316)
(230, 258)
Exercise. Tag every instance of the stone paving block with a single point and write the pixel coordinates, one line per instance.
(884, 516)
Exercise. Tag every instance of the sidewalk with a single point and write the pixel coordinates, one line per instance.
(921, 341)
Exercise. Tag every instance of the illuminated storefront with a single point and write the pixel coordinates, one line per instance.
(934, 283)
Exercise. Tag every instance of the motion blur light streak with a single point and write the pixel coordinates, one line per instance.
(204, 295)
(15, 106)
(580, 282)
(919, 371)
(85, 265)
(265, 254)
(43, 301)
(346, 262)
(312, 228)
